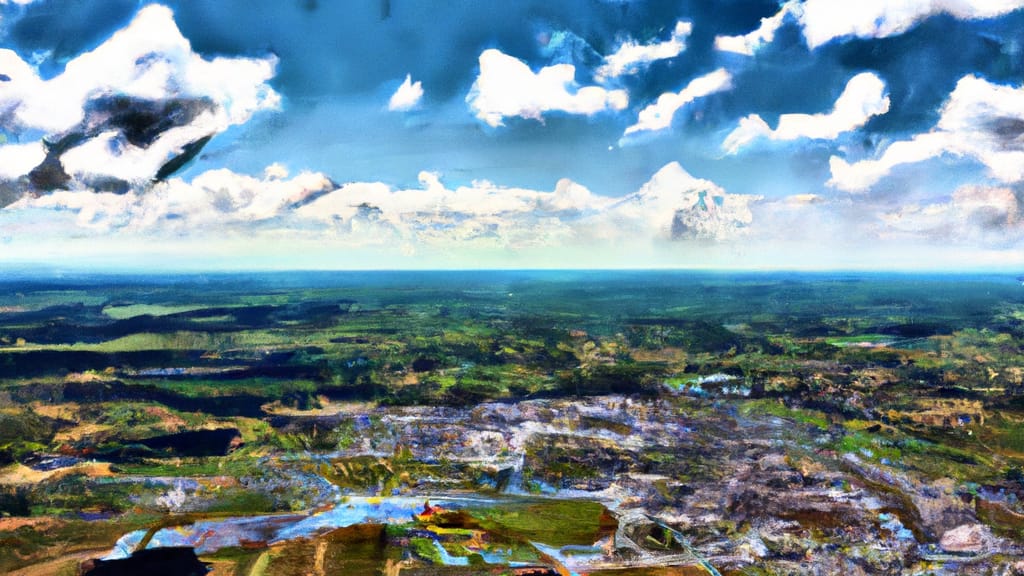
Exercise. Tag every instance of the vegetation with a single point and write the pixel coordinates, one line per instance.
(920, 375)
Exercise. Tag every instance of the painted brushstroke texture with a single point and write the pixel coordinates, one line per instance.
(523, 141)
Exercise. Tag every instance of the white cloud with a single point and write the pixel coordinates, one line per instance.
(100, 211)
(631, 56)
(222, 197)
(407, 96)
(148, 59)
(507, 87)
(108, 155)
(433, 199)
(12, 66)
(825, 20)
(980, 120)
(215, 198)
(673, 205)
(974, 214)
(275, 171)
(747, 44)
(151, 60)
(863, 98)
(481, 215)
(18, 159)
(658, 116)
(860, 176)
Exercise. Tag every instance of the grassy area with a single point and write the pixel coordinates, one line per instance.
(777, 408)
(554, 522)
(133, 310)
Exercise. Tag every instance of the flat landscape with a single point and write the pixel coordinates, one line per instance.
(612, 423)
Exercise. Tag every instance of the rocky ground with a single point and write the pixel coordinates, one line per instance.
(573, 486)
(688, 482)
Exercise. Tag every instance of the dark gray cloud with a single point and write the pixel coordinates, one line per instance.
(923, 65)
(66, 28)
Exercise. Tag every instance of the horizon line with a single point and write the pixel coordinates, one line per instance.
(51, 269)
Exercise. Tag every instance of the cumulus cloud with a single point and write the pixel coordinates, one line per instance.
(748, 44)
(95, 211)
(18, 159)
(672, 206)
(863, 98)
(631, 56)
(507, 87)
(481, 214)
(147, 64)
(149, 59)
(407, 96)
(980, 120)
(436, 214)
(859, 176)
(219, 198)
(275, 171)
(658, 116)
(825, 20)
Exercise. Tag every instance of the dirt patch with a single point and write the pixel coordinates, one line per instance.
(667, 354)
(67, 564)
(38, 522)
(327, 408)
(170, 421)
(21, 474)
(67, 411)
(81, 432)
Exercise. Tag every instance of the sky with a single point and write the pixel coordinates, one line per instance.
(320, 134)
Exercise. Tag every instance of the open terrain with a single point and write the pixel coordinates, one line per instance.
(512, 423)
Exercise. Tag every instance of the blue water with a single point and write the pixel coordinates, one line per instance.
(211, 535)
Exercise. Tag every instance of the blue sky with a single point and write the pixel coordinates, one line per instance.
(597, 133)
